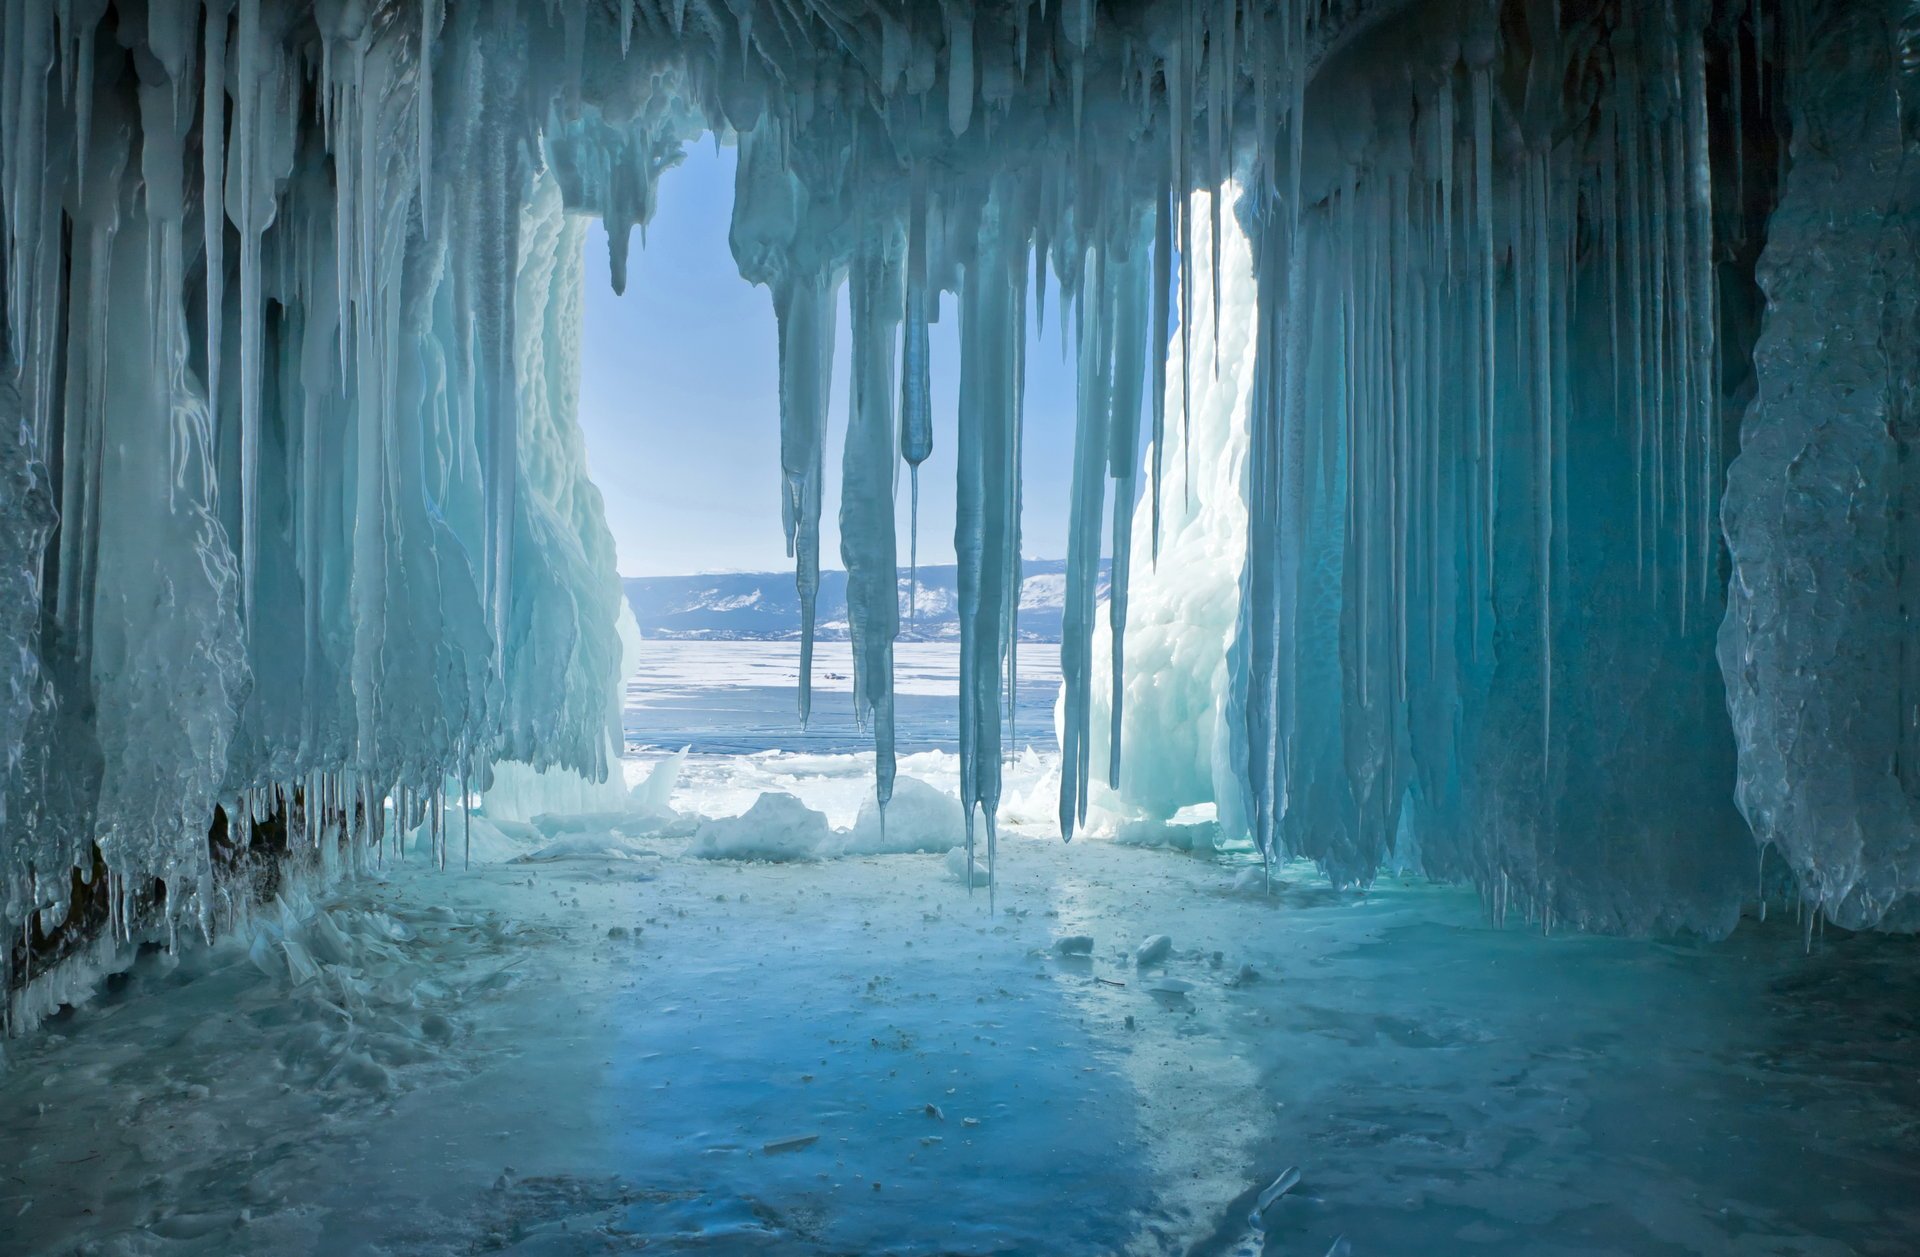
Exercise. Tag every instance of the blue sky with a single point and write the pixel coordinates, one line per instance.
(679, 400)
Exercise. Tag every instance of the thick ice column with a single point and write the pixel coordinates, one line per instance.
(867, 544)
(1823, 501)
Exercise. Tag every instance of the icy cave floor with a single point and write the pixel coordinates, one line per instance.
(655, 1052)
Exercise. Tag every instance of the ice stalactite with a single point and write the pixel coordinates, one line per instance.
(1112, 331)
(916, 387)
(867, 543)
(985, 540)
(806, 312)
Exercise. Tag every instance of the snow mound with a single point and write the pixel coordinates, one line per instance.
(920, 818)
(777, 827)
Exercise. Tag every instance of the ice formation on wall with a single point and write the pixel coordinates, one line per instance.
(1180, 709)
(1819, 640)
(296, 523)
(1484, 570)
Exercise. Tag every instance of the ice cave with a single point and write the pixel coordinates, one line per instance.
(1413, 748)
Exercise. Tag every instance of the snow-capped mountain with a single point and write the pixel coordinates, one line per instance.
(764, 605)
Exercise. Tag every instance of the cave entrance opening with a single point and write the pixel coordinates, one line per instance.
(679, 410)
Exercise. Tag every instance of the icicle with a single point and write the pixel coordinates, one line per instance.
(1220, 91)
(1085, 526)
(960, 76)
(430, 19)
(1129, 369)
(252, 313)
(1541, 289)
(1180, 98)
(1483, 207)
(805, 306)
(866, 503)
(982, 539)
(1157, 345)
(1705, 299)
(916, 395)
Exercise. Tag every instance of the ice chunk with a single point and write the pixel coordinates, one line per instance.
(790, 1144)
(778, 827)
(1074, 945)
(957, 864)
(1288, 1179)
(653, 794)
(1153, 950)
(920, 818)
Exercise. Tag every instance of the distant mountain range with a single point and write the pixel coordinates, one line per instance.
(763, 606)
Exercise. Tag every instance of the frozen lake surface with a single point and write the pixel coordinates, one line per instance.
(733, 697)
(620, 1048)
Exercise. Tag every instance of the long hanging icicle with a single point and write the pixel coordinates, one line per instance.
(916, 389)
(867, 544)
(805, 307)
(982, 539)
(1130, 352)
(1157, 343)
(1085, 526)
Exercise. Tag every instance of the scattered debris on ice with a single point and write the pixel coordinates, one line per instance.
(790, 1143)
